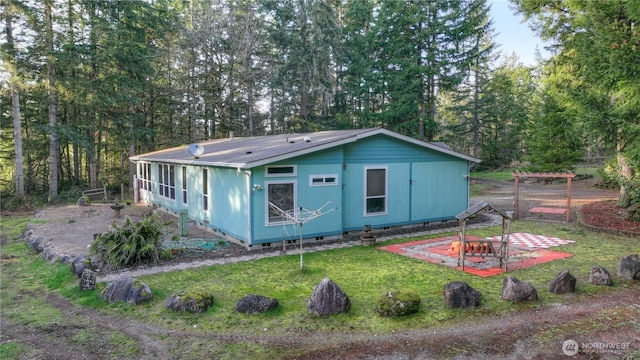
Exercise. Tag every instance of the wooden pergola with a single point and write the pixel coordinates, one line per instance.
(517, 175)
(498, 248)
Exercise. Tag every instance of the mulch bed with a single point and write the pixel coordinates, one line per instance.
(607, 217)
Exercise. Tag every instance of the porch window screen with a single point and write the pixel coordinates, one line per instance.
(376, 191)
(184, 184)
(167, 181)
(144, 174)
(282, 196)
(205, 190)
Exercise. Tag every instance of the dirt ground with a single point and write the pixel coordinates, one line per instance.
(487, 337)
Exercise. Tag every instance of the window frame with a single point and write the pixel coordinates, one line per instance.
(267, 218)
(205, 189)
(324, 180)
(366, 197)
(167, 181)
(294, 171)
(144, 175)
(185, 197)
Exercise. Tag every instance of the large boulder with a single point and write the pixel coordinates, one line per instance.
(87, 280)
(563, 283)
(191, 301)
(398, 303)
(327, 299)
(629, 267)
(127, 289)
(518, 291)
(256, 304)
(459, 294)
(600, 276)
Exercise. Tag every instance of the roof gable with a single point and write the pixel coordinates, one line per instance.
(250, 152)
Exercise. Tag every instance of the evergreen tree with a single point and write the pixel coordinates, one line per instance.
(597, 47)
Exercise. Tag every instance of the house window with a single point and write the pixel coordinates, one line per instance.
(282, 195)
(184, 185)
(144, 174)
(375, 190)
(281, 170)
(205, 189)
(323, 180)
(167, 181)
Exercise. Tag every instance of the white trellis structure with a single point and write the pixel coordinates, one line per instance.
(302, 216)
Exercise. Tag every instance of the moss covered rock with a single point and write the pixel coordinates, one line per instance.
(398, 303)
(194, 301)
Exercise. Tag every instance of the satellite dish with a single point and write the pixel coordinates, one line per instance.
(196, 150)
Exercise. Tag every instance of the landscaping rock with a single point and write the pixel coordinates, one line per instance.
(327, 299)
(191, 301)
(36, 243)
(629, 267)
(256, 304)
(128, 289)
(78, 265)
(459, 294)
(398, 303)
(600, 276)
(563, 283)
(88, 280)
(518, 291)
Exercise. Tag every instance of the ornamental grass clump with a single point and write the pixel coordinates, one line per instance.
(130, 243)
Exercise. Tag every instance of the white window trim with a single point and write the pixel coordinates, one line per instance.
(266, 200)
(324, 180)
(294, 173)
(166, 183)
(184, 191)
(205, 186)
(386, 191)
(145, 182)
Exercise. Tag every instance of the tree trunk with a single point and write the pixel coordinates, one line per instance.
(15, 102)
(52, 105)
(625, 172)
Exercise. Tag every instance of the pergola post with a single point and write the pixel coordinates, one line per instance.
(516, 203)
(569, 199)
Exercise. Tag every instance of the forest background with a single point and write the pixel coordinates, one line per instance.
(88, 83)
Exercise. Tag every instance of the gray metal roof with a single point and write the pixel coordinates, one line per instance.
(249, 152)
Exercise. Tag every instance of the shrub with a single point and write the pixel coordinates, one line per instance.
(130, 244)
(609, 173)
(398, 303)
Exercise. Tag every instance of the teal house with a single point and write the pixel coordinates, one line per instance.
(248, 189)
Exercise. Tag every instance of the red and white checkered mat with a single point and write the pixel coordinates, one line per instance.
(534, 241)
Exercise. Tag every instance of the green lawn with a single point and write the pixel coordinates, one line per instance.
(364, 273)
(504, 175)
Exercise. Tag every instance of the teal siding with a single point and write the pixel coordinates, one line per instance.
(423, 185)
(229, 202)
(308, 197)
(389, 150)
(228, 198)
(438, 190)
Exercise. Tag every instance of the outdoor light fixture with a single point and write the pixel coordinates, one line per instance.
(257, 187)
